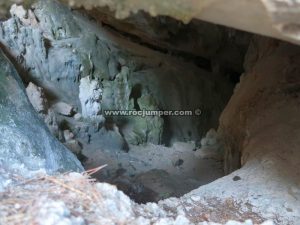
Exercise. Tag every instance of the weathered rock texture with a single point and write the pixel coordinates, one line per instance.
(260, 127)
(90, 96)
(65, 47)
(73, 199)
(26, 145)
(277, 18)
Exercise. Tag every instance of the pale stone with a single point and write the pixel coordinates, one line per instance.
(63, 109)
(269, 222)
(90, 96)
(37, 98)
(68, 135)
(207, 153)
(78, 116)
(18, 11)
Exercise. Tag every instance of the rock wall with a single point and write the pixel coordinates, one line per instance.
(26, 145)
(260, 129)
(58, 47)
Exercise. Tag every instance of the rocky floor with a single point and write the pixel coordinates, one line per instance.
(75, 69)
(149, 172)
(146, 173)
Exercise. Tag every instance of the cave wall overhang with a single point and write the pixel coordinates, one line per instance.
(278, 19)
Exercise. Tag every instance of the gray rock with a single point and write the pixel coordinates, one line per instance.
(78, 116)
(26, 145)
(51, 122)
(66, 47)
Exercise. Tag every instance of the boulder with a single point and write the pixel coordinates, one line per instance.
(26, 145)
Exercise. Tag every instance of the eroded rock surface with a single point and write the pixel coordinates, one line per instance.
(260, 130)
(274, 18)
(84, 202)
(26, 144)
(66, 47)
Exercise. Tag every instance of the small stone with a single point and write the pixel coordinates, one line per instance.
(269, 222)
(248, 222)
(63, 109)
(78, 116)
(18, 11)
(212, 133)
(68, 135)
(196, 198)
(37, 98)
(207, 153)
(18, 206)
(212, 141)
(74, 146)
(113, 68)
(204, 142)
(181, 220)
(236, 178)
(51, 121)
(178, 163)
(211, 138)
(122, 61)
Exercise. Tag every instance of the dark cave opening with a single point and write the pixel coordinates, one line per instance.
(103, 110)
(190, 67)
(136, 93)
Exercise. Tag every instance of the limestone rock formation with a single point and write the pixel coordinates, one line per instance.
(264, 137)
(90, 95)
(26, 146)
(66, 47)
(275, 18)
(90, 63)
